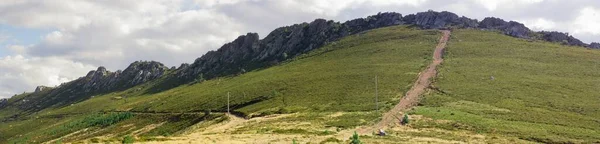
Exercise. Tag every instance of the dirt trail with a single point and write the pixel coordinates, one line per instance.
(423, 81)
(233, 122)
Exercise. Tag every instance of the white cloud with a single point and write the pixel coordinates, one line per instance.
(493, 5)
(3, 37)
(539, 24)
(587, 22)
(17, 49)
(19, 74)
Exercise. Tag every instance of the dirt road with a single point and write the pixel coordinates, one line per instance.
(423, 81)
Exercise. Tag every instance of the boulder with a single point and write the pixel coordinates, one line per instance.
(516, 29)
(594, 45)
(512, 28)
(563, 38)
(3, 102)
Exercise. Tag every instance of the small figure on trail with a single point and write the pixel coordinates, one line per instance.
(381, 132)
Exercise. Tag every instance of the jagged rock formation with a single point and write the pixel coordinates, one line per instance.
(41, 88)
(563, 38)
(511, 28)
(95, 82)
(136, 73)
(3, 102)
(436, 20)
(594, 45)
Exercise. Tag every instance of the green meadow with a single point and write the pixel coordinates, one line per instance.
(538, 91)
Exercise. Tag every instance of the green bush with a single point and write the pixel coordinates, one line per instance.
(354, 139)
(102, 120)
(331, 140)
(128, 139)
(405, 119)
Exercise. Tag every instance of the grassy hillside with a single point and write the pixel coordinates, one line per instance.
(539, 91)
(491, 88)
(337, 77)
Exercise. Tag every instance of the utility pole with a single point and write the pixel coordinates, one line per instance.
(376, 95)
(228, 102)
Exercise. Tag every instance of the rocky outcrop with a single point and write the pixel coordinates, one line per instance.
(3, 103)
(512, 28)
(436, 20)
(594, 45)
(563, 38)
(41, 88)
(136, 73)
(141, 72)
(95, 82)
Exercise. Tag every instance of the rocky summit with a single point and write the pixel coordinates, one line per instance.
(96, 81)
(136, 73)
(41, 88)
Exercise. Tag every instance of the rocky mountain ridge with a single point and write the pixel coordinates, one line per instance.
(95, 82)
(249, 52)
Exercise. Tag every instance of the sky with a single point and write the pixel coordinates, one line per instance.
(52, 42)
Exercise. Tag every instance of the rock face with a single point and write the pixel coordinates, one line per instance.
(3, 102)
(435, 20)
(512, 28)
(563, 38)
(136, 73)
(40, 88)
(95, 82)
(594, 45)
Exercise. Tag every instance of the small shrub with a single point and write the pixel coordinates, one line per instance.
(331, 140)
(128, 139)
(95, 140)
(404, 120)
(354, 139)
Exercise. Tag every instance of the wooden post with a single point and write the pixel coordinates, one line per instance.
(228, 102)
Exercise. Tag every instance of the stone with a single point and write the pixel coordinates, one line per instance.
(3, 102)
(512, 28)
(594, 45)
(563, 38)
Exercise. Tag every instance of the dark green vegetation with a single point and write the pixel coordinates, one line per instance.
(355, 139)
(336, 77)
(86, 126)
(538, 91)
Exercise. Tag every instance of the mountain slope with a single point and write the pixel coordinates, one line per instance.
(323, 67)
(534, 90)
(337, 77)
(248, 53)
